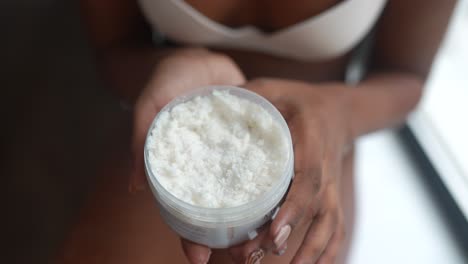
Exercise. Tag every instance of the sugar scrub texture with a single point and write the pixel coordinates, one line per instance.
(217, 150)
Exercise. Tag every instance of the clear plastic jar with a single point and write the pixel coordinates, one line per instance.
(222, 227)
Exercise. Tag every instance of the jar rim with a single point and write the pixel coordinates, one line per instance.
(228, 214)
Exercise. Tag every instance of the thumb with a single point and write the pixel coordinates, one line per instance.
(145, 110)
(223, 71)
(195, 253)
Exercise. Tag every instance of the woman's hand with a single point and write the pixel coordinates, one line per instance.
(317, 118)
(177, 73)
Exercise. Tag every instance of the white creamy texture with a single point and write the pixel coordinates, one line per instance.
(217, 150)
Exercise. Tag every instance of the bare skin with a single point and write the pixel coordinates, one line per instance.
(324, 115)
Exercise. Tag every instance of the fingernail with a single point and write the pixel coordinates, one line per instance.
(252, 234)
(207, 258)
(282, 250)
(256, 256)
(273, 216)
(202, 260)
(282, 236)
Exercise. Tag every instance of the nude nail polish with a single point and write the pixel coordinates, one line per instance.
(282, 236)
(282, 251)
(207, 258)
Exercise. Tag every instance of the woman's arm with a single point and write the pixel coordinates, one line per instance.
(325, 117)
(408, 37)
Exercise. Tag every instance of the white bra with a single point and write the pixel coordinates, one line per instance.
(329, 34)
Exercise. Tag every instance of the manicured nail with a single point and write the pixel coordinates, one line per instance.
(282, 236)
(273, 216)
(252, 234)
(282, 250)
(256, 256)
(208, 258)
(205, 260)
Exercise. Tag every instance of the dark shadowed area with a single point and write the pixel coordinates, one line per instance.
(58, 122)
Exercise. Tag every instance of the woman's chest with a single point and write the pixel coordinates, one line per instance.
(266, 15)
(299, 30)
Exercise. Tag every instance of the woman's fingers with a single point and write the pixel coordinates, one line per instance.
(300, 202)
(176, 74)
(195, 253)
(331, 252)
(316, 239)
(281, 250)
(317, 155)
(243, 252)
(331, 202)
(305, 193)
(325, 233)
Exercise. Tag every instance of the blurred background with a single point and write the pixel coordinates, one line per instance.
(56, 125)
(59, 121)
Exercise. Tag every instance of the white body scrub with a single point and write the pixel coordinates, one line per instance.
(219, 161)
(217, 150)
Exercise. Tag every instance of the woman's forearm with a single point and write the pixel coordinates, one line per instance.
(382, 100)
